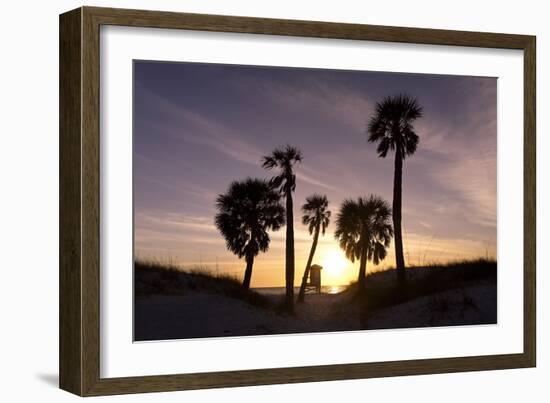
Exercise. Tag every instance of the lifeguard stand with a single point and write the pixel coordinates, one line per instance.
(314, 283)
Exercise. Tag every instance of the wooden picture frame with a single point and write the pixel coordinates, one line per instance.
(79, 201)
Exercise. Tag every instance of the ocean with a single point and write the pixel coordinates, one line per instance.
(325, 289)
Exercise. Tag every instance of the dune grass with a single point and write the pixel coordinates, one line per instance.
(151, 277)
(382, 289)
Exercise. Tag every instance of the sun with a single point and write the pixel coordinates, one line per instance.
(334, 262)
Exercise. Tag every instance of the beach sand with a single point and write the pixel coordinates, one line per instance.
(204, 314)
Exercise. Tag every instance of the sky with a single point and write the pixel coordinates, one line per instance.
(198, 127)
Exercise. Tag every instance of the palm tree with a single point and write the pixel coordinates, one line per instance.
(284, 159)
(316, 217)
(364, 231)
(246, 212)
(391, 127)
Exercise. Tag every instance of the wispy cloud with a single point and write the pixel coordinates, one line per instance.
(326, 98)
(473, 182)
(178, 221)
(312, 181)
(186, 188)
(205, 131)
(195, 128)
(461, 156)
(214, 126)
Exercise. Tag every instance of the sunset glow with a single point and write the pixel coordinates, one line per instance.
(198, 127)
(334, 262)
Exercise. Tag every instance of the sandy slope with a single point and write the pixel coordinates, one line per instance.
(472, 305)
(209, 315)
(201, 314)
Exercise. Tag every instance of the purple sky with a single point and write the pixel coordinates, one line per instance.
(197, 127)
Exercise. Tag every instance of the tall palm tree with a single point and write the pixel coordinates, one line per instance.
(284, 159)
(245, 213)
(316, 217)
(392, 128)
(364, 231)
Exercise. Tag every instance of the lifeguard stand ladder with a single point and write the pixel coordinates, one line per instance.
(314, 281)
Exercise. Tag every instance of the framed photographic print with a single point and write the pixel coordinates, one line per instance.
(249, 201)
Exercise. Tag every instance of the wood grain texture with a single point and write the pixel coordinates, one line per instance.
(221, 23)
(161, 383)
(70, 313)
(80, 201)
(90, 202)
(530, 202)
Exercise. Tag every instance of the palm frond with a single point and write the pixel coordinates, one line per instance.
(364, 224)
(246, 212)
(315, 213)
(284, 159)
(391, 125)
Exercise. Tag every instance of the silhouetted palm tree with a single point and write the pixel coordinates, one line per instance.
(364, 231)
(284, 159)
(246, 212)
(316, 217)
(391, 127)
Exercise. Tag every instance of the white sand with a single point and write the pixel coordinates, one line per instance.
(472, 305)
(201, 314)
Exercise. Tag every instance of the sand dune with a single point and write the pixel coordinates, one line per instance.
(203, 314)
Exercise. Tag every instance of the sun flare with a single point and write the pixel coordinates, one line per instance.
(334, 262)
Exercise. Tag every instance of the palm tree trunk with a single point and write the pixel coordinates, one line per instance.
(396, 215)
(302, 293)
(248, 271)
(289, 269)
(362, 272)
